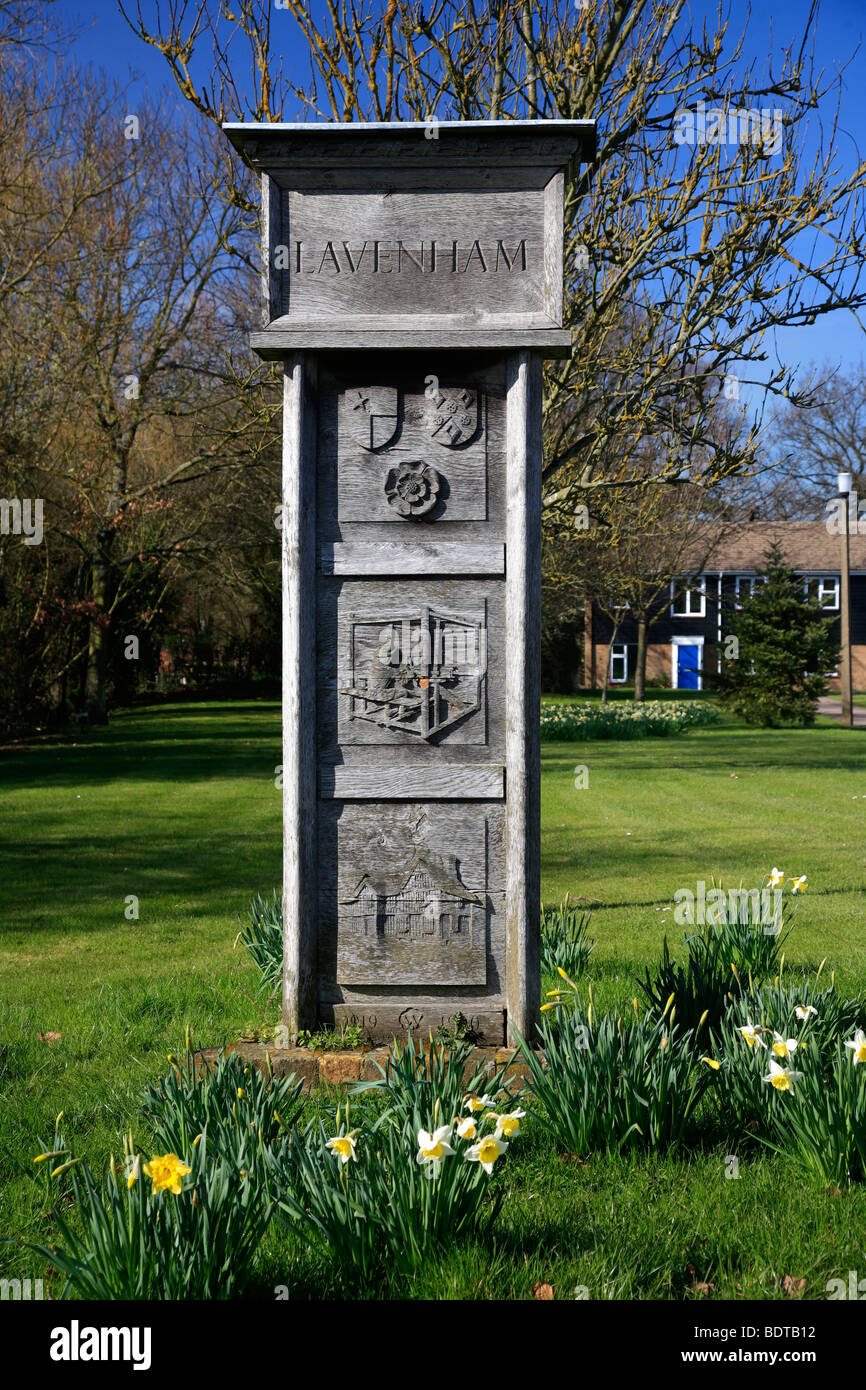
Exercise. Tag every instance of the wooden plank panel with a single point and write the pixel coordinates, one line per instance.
(418, 557)
(300, 879)
(522, 691)
(438, 782)
(383, 1021)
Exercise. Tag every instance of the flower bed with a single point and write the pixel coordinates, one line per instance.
(623, 719)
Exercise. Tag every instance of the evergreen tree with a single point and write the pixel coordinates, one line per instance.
(785, 648)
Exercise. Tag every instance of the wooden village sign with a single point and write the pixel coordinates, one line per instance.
(412, 289)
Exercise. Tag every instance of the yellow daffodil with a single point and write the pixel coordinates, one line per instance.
(782, 1078)
(70, 1163)
(799, 884)
(344, 1147)
(752, 1035)
(432, 1148)
(784, 1047)
(777, 878)
(477, 1103)
(166, 1172)
(804, 1010)
(711, 1062)
(241, 1092)
(858, 1046)
(467, 1129)
(509, 1125)
(486, 1152)
(52, 1153)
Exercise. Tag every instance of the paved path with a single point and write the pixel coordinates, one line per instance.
(827, 705)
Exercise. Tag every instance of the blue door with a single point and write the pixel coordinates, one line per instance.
(688, 666)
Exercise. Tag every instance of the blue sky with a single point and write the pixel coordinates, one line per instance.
(106, 41)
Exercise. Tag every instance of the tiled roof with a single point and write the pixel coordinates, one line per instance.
(806, 545)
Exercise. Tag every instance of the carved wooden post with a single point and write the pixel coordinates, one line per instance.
(413, 287)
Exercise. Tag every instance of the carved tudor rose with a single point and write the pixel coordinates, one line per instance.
(452, 415)
(412, 488)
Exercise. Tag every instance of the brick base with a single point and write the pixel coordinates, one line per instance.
(341, 1069)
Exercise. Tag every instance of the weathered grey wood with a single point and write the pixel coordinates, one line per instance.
(522, 690)
(362, 962)
(299, 694)
(424, 263)
(405, 610)
(476, 254)
(384, 1022)
(272, 235)
(422, 557)
(473, 505)
(274, 343)
(441, 781)
(554, 197)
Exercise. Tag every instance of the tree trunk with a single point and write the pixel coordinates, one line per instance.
(640, 660)
(613, 637)
(95, 691)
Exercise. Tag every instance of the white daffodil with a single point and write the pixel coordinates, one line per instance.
(486, 1152)
(467, 1128)
(508, 1125)
(784, 1047)
(752, 1035)
(799, 884)
(782, 1078)
(432, 1148)
(777, 878)
(476, 1103)
(804, 1010)
(344, 1147)
(858, 1046)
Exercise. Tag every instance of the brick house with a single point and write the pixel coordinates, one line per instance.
(688, 625)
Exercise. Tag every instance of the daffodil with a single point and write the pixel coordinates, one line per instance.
(344, 1147)
(166, 1173)
(509, 1125)
(476, 1103)
(134, 1172)
(467, 1129)
(858, 1046)
(711, 1062)
(804, 1010)
(784, 1047)
(432, 1148)
(782, 1078)
(486, 1152)
(752, 1035)
(799, 884)
(777, 878)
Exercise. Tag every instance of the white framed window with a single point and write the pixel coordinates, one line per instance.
(618, 663)
(689, 602)
(744, 587)
(828, 592)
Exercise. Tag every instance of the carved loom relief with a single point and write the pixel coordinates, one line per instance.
(416, 673)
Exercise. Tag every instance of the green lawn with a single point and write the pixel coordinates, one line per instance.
(178, 807)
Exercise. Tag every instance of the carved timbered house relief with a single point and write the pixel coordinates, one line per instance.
(410, 916)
